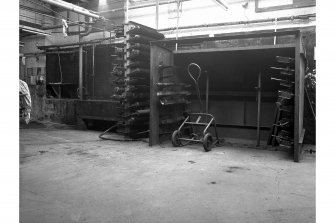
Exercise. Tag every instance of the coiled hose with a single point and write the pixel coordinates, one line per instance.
(101, 136)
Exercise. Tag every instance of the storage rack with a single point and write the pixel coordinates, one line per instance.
(173, 99)
(133, 80)
(282, 131)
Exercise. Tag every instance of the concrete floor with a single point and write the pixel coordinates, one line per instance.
(69, 175)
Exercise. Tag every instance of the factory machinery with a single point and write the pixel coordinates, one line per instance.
(131, 80)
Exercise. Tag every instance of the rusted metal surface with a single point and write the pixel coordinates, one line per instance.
(98, 109)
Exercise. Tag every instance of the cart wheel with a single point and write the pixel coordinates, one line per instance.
(175, 138)
(208, 142)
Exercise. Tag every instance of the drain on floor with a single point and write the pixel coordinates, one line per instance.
(190, 161)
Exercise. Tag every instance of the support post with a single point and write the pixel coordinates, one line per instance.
(299, 98)
(157, 13)
(296, 149)
(177, 28)
(86, 73)
(259, 97)
(126, 12)
(80, 68)
(104, 30)
(158, 56)
(207, 90)
(93, 70)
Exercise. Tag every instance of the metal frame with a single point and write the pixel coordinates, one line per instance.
(163, 55)
(158, 56)
(207, 124)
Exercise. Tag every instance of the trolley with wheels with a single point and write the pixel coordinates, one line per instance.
(195, 129)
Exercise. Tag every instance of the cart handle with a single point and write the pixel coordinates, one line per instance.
(201, 114)
(197, 75)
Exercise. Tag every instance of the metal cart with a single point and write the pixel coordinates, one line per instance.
(195, 129)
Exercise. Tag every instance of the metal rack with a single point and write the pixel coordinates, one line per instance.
(133, 80)
(173, 99)
(283, 127)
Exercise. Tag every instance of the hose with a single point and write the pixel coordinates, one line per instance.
(119, 140)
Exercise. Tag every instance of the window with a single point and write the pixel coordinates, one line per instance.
(272, 5)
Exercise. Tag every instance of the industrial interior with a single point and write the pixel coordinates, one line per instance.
(167, 110)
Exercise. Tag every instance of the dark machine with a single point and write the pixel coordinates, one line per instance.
(131, 82)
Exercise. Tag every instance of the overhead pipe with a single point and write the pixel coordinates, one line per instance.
(307, 16)
(71, 45)
(61, 26)
(73, 8)
(50, 16)
(138, 7)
